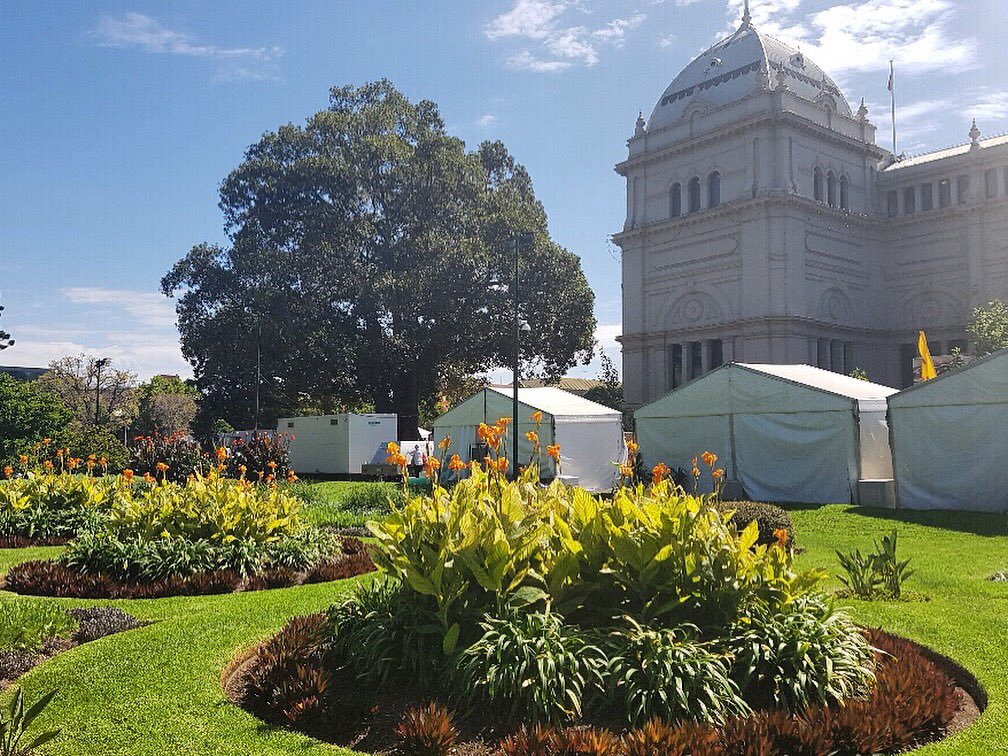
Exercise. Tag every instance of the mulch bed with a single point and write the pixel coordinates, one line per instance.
(920, 696)
(24, 542)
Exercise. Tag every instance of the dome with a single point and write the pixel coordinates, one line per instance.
(745, 63)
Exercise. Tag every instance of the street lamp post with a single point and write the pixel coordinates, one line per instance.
(99, 364)
(521, 240)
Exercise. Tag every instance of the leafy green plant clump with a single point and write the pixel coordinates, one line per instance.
(770, 519)
(27, 625)
(40, 506)
(879, 574)
(553, 605)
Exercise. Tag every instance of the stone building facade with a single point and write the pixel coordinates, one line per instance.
(763, 224)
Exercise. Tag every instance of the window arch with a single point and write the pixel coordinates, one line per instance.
(714, 189)
(694, 194)
(817, 192)
(675, 200)
(844, 194)
(831, 189)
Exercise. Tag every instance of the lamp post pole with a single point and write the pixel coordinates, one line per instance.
(99, 364)
(520, 240)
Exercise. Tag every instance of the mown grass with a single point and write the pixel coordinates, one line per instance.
(156, 689)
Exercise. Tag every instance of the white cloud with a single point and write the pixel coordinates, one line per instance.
(146, 307)
(485, 121)
(139, 32)
(986, 105)
(865, 35)
(135, 328)
(552, 43)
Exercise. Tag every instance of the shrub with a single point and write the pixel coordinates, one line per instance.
(26, 625)
(94, 622)
(340, 568)
(656, 738)
(666, 673)
(264, 453)
(769, 518)
(561, 741)
(799, 654)
(47, 578)
(183, 455)
(386, 633)
(426, 731)
(531, 666)
(43, 506)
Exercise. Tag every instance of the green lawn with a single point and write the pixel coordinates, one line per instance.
(156, 690)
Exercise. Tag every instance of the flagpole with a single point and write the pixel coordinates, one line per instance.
(892, 98)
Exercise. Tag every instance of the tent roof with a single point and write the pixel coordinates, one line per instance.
(557, 402)
(753, 388)
(982, 381)
(824, 380)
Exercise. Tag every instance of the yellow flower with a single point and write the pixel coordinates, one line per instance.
(626, 471)
(632, 447)
(444, 443)
(537, 417)
(392, 448)
(533, 437)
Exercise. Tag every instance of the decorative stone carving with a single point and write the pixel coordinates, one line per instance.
(693, 308)
(835, 306)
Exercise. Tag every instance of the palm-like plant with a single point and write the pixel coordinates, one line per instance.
(17, 720)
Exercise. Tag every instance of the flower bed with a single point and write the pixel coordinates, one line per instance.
(648, 622)
(44, 507)
(210, 535)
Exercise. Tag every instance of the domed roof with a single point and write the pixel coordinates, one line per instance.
(746, 62)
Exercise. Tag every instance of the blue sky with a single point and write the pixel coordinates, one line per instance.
(120, 119)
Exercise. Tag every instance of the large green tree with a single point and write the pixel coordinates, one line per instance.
(29, 413)
(369, 260)
(989, 327)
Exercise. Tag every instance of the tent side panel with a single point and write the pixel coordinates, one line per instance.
(676, 440)
(951, 457)
(589, 449)
(801, 458)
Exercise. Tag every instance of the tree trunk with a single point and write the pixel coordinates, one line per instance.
(407, 405)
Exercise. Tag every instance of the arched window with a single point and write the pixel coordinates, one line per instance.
(675, 200)
(831, 189)
(844, 195)
(817, 184)
(694, 194)
(714, 189)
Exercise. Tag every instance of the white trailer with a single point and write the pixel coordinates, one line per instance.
(338, 444)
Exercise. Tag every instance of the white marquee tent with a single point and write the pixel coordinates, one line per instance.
(590, 435)
(789, 433)
(950, 439)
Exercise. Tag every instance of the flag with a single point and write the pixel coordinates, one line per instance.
(927, 364)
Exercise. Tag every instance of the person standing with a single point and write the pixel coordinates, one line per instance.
(417, 461)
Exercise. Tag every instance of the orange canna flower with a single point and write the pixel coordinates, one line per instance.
(242, 469)
(90, 464)
(502, 465)
(103, 461)
(782, 536)
(553, 451)
(148, 478)
(431, 466)
(632, 447)
(8, 471)
(46, 441)
(162, 467)
(533, 437)
(455, 463)
(536, 417)
(291, 477)
(392, 448)
(504, 422)
(270, 478)
(222, 454)
(659, 472)
(91, 457)
(48, 465)
(127, 475)
(72, 462)
(709, 459)
(444, 443)
(271, 465)
(260, 475)
(626, 471)
(718, 474)
(23, 459)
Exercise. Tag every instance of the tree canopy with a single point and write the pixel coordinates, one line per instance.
(29, 413)
(989, 327)
(370, 259)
